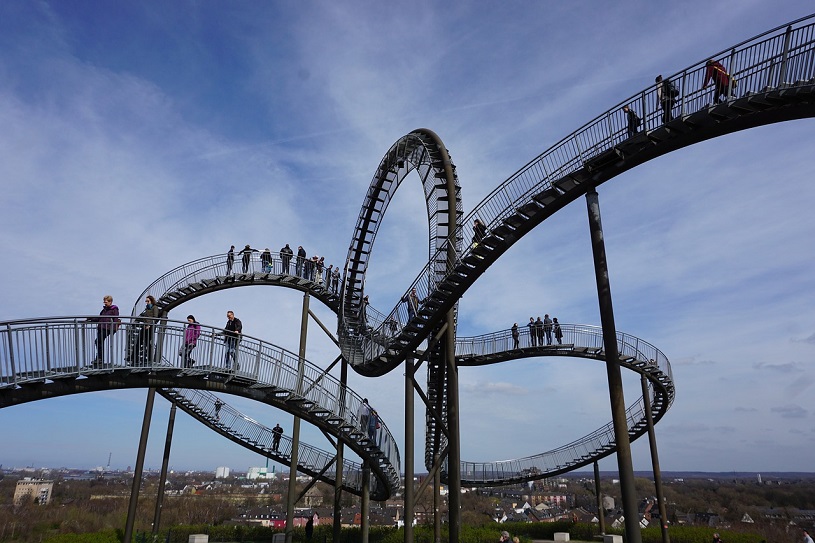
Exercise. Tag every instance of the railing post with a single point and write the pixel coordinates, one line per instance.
(47, 348)
(12, 363)
(77, 342)
(782, 73)
(683, 94)
(643, 105)
(732, 68)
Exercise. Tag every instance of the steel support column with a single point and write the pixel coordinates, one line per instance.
(164, 465)
(409, 449)
(615, 379)
(295, 432)
(601, 513)
(436, 500)
(454, 452)
(652, 442)
(337, 525)
(137, 473)
(365, 508)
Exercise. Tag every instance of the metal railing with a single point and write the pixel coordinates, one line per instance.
(575, 336)
(45, 349)
(782, 58)
(211, 267)
(217, 414)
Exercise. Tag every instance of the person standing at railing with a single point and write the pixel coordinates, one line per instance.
(667, 94)
(142, 340)
(539, 331)
(285, 258)
(108, 322)
(301, 260)
(558, 331)
(328, 277)
(230, 259)
(232, 336)
(716, 73)
(335, 281)
(266, 260)
(533, 332)
(547, 328)
(277, 431)
(191, 334)
(633, 121)
(515, 336)
(320, 266)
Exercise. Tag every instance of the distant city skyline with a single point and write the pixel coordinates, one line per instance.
(142, 136)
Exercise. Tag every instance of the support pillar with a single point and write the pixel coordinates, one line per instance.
(137, 473)
(652, 442)
(615, 380)
(365, 508)
(601, 513)
(295, 432)
(437, 500)
(337, 526)
(454, 451)
(409, 450)
(164, 465)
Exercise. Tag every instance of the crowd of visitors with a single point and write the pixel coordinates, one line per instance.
(313, 269)
(540, 332)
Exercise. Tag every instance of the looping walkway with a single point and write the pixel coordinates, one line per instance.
(43, 358)
(776, 81)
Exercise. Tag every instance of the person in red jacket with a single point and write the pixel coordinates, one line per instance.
(716, 73)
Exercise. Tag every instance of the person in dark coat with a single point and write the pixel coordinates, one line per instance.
(310, 528)
(633, 121)
(285, 257)
(301, 259)
(666, 98)
(515, 336)
(246, 257)
(230, 259)
(107, 323)
(266, 260)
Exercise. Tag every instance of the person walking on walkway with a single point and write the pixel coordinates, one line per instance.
(107, 323)
(277, 431)
(232, 336)
(246, 257)
(515, 336)
(716, 73)
(533, 332)
(191, 334)
(666, 96)
(633, 121)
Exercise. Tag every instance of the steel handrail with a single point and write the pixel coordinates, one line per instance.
(45, 349)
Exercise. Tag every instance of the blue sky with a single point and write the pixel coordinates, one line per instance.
(139, 137)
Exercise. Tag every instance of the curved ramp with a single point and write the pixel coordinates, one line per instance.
(57, 356)
(579, 341)
(776, 82)
(249, 433)
(209, 274)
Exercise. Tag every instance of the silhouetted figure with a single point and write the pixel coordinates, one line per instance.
(515, 336)
(558, 331)
(266, 260)
(218, 405)
(301, 259)
(285, 257)
(277, 431)
(310, 528)
(479, 231)
(666, 95)
(230, 259)
(246, 257)
(633, 121)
